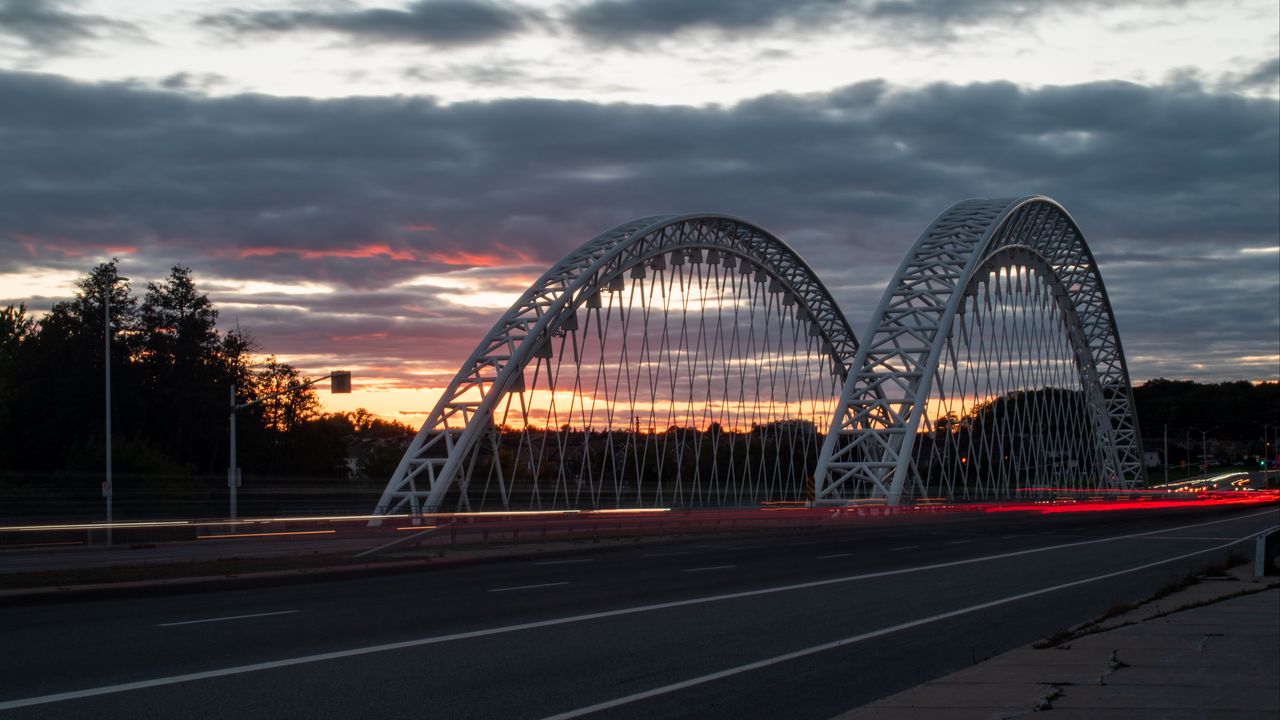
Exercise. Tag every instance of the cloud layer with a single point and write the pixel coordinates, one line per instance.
(428, 22)
(1175, 186)
(50, 26)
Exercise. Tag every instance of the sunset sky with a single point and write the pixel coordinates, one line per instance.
(368, 185)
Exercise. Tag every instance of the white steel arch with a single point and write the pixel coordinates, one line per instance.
(438, 453)
(989, 242)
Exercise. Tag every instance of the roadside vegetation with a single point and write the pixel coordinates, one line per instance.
(172, 370)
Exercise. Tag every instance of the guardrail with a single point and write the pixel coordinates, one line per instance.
(1265, 548)
(517, 526)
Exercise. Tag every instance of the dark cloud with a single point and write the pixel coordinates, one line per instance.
(46, 26)
(193, 82)
(1265, 76)
(625, 20)
(429, 22)
(1170, 183)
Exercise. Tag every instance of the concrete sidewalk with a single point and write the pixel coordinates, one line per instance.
(1219, 660)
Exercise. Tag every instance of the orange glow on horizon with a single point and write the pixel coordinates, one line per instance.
(68, 248)
(368, 250)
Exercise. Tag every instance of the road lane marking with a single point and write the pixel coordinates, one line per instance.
(837, 555)
(529, 587)
(904, 547)
(714, 567)
(1007, 537)
(1184, 537)
(553, 622)
(778, 659)
(667, 554)
(229, 617)
(565, 562)
(959, 542)
(408, 538)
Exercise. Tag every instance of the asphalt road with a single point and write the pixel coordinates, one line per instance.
(797, 625)
(167, 553)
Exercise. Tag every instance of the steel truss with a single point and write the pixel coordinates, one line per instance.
(992, 366)
(694, 351)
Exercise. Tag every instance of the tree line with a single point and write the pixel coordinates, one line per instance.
(172, 372)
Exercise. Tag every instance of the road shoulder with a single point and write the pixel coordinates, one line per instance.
(1211, 649)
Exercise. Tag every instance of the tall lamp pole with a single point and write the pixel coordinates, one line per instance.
(1186, 445)
(1204, 450)
(107, 487)
(340, 383)
(1266, 445)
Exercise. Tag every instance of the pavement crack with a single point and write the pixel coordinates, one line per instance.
(1045, 702)
(1205, 640)
(1114, 664)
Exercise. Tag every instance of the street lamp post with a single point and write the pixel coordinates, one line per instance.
(1166, 454)
(340, 384)
(107, 485)
(1204, 450)
(1186, 445)
(1266, 444)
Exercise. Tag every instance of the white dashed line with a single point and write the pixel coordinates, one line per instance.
(565, 562)
(904, 547)
(837, 555)
(528, 587)
(715, 567)
(229, 617)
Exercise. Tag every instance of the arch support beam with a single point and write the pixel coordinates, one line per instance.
(868, 451)
(464, 414)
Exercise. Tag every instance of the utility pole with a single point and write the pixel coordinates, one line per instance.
(233, 470)
(1204, 451)
(107, 486)
(1166, 454)
(340, 384)
(1186, 446)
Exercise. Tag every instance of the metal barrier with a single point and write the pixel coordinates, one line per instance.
(1265, 548)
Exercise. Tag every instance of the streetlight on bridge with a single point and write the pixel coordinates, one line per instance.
(340, 383)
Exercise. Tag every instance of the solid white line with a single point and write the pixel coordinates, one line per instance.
(399, 541)
(904, 547)
(837, 555)
(1184, 537)
(230, 617)
(529, 587)
(1007, 537)
(702, 679)
(565, 562)
(420, 642)
(716, 567)
(959, 542)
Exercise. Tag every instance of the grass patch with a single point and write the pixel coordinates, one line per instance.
(1232, 559)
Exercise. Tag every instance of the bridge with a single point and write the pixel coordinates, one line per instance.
(697, 360)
